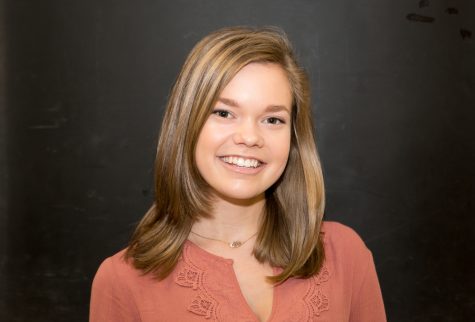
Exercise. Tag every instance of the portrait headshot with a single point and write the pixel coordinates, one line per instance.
(237, 161)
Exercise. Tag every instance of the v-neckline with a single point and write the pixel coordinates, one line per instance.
(230, 263)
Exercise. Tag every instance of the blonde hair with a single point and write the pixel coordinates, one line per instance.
(290, 235)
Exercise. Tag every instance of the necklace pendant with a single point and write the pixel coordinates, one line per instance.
(235, 244)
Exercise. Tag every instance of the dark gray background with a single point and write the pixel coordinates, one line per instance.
(83, 85)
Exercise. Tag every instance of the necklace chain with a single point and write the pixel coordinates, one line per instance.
(233, 244)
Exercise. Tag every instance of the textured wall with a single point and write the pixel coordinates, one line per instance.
(86, 82)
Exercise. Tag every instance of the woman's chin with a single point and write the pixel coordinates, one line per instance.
(239, 197)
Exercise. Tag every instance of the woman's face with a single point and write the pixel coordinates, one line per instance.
(244, 145)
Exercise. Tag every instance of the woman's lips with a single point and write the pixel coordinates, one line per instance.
(241, 164)
(244, 162)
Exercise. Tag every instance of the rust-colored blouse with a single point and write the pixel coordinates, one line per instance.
(203, 287)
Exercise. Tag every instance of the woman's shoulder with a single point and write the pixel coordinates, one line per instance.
(342, 241)
(116, 262)
(115, 290)
(334, 229)
(116, 268)
(352, 273)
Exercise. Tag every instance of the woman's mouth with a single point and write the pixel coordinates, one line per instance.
(242, 161)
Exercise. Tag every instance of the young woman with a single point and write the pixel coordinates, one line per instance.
(236, 232)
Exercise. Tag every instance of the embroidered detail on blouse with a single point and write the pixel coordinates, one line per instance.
(316, 300)
(323, 276)
(190, 276)
(203, 305)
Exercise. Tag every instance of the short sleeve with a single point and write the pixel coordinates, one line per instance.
(111, 300)
(355, 282)
(367, 301)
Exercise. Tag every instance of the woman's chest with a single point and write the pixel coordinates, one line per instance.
(193, 294)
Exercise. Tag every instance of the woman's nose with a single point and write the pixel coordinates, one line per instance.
(248, 133)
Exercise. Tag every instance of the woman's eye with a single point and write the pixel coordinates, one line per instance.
(222, 113)
(274, 120)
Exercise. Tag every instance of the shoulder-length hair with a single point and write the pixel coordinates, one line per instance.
(289, 236)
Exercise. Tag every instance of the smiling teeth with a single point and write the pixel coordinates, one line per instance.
(241, 162)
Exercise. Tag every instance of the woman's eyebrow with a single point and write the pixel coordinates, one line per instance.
(270, 108)
(277, 108)
(228, 102)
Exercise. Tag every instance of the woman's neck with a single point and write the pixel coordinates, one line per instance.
(232, 220)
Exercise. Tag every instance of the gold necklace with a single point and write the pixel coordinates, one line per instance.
(233, 244)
